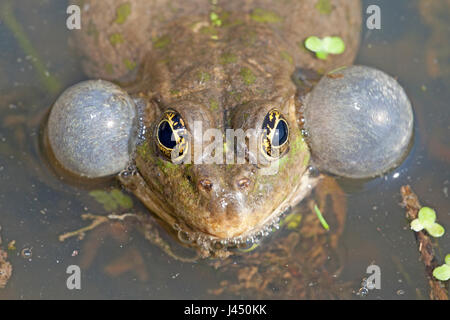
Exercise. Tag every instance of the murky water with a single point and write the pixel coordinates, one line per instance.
(36, 206)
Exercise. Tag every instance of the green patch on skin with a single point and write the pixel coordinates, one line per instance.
(227, 58)
(164, 61)
(203, 76)
(323, 47)
(227, 22)
(215, 19)
(161, 42)
(112, 200)
(306, 159)
(213, 104)
(298, 144)
(129, 64)
(324, 6)
(209, 30)
(109, 68)
(145, 152)
(248, 76)
(286, 56)
(237, 96)
(122, 13)
(115, 39)
(264, 16)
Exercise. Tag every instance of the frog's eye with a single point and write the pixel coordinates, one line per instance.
(171, 135)
(275, 136)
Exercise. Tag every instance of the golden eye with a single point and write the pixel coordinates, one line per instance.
(172, 137)
(275, 137)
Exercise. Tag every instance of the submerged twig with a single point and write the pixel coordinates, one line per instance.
(97, 220)
(7, 16)
(426, 249)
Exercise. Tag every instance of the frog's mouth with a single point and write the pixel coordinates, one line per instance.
(209, 243)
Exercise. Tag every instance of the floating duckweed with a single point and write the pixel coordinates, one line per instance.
(112, 200)
(427, 220)
(324, 6)
(129, 64)
(291, 221)
(248, 76)
(227, 58)
(321, 218)
(215, 19)
(122, 13)
(264, 16)
(161, 42)
(122, 200)
(115, 39)
(323, 47)
(443, 272)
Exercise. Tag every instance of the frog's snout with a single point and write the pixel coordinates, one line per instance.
(92, 128)
(360, 122)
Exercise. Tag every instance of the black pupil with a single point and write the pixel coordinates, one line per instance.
(280, 135)
(165, 135)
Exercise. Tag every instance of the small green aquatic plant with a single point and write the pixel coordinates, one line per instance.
(443, 272)
(427, 220)
(112, 200)
(322, 220)
(322, 47)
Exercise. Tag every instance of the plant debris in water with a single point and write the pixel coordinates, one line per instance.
(5, 266)
(425, 245)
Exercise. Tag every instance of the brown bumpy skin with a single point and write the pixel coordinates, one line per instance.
(226, 65)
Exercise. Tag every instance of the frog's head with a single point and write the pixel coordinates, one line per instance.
(189, 173)
(225, 175)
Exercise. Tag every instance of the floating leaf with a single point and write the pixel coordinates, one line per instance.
(112, 200)
(314, 44)
(416, 225)
(104, 198)
(122, 200)
(436, 230)
(333, 45)
(447, 259)
(442, 273)
(427, 216)
(325, 46)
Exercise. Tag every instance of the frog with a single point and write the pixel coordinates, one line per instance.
(226, 65)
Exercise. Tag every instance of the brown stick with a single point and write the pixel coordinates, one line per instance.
(412, 205)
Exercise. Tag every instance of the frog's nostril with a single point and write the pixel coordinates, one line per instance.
(243, 183)
(205, 184)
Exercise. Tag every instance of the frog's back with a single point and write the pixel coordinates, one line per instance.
(112, 28)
